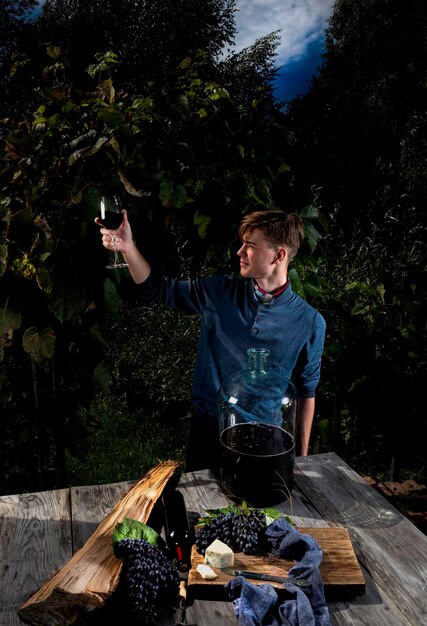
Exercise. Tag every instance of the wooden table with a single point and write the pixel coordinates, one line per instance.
(39, 532)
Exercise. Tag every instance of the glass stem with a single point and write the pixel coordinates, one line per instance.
(116, 256)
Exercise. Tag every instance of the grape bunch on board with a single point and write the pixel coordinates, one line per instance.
(240, 528)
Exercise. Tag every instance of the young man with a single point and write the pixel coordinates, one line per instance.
(259, 311)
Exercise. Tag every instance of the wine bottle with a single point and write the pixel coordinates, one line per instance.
(178, 533)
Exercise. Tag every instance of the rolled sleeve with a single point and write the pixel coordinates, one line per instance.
(307, 369)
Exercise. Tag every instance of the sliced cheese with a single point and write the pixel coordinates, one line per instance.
(206, 572)
(218, 554)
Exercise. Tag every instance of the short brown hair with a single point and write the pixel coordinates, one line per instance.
(279, 228)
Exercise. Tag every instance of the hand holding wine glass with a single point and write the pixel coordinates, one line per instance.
(111, 218)
(139, 268)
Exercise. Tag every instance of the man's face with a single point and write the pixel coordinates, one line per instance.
(257, 259)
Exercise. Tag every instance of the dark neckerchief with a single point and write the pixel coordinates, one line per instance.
(265, 296)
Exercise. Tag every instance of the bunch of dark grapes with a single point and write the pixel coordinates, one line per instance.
(148, 579)
(242, 532)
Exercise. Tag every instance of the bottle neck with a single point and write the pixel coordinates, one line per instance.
(258, 361)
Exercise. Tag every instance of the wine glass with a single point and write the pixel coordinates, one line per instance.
(111, 217)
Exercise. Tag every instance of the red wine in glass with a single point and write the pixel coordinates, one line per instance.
(111, 220)
(111, 217)
(110, 212)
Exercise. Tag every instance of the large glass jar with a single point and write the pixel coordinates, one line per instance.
(257, 416)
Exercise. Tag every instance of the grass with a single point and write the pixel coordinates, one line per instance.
(125, 445)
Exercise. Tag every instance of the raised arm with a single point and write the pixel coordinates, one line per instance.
(138, 266)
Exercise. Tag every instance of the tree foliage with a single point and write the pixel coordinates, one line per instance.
(149, 38)
(188, 159)
(361, 129)
(14, 16)
(360, 139)
(192, 141)
(16, 33)
(189, 138)
(249, 74)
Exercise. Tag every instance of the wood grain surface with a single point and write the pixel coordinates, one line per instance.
(391, 548)
(339, 567)
(35, 541)
(91, 575)
(40, 532)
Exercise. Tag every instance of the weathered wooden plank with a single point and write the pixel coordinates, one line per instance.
(90, 505)
(371, 609)
(374, 608)
(211, 613)
(201, 492)
(302, 512)
(34, 527)
(392, 549)
(35, 541)
(91, 575)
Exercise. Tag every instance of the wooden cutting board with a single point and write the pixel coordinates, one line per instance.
(340, 569)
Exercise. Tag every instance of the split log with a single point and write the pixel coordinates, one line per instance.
(91, 575)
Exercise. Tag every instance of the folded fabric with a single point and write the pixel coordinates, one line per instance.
(256, 605)
(252, 603)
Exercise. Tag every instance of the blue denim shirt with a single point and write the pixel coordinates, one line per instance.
(232, 320)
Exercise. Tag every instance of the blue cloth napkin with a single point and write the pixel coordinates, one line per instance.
(256, 605)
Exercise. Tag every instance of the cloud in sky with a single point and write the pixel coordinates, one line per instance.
(301, 22)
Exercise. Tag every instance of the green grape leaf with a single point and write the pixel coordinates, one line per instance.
(39, 344)
(213, 513)
(133, 529)
(270, 514)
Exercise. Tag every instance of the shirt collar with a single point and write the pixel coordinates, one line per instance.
(265, 296)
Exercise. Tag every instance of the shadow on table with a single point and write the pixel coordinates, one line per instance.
(343, 498)
(109, 613)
